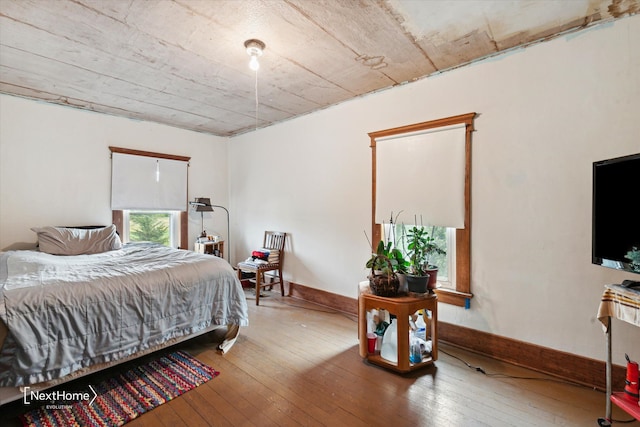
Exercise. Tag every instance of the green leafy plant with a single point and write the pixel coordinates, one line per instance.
(420, 247)
(634, 256)
(395, 256)
(432, 248)
(149, 227)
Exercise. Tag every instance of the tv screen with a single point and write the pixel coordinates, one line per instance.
(616, 215)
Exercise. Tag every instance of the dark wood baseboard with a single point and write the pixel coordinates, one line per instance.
(568, 366)
(327, 299)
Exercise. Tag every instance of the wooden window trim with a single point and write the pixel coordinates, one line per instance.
(462, 295)
(118, 215)
(148, 154)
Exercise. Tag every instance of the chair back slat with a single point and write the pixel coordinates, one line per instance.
(274, 240)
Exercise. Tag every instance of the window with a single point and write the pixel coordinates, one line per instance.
(445, 157)
(152, 226)
(149, 196)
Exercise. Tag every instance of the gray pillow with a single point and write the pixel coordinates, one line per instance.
(76, 241)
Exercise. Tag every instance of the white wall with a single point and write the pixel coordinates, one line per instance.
(55, 167)
(545, 114)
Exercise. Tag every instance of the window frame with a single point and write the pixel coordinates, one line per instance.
(461, 295)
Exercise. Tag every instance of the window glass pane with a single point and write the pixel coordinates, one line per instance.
(442, 261)
(440, 236)
(150, 227)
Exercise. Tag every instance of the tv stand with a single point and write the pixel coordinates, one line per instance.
(616, 300)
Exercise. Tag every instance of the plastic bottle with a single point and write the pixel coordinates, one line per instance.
(421, 326)
(415, 353)
(371, 326)
(389, 348)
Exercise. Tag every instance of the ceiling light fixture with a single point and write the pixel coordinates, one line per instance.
(254, 50)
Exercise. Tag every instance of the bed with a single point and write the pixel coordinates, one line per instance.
(64, 316)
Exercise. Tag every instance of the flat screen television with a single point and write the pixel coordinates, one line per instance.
(616, 213)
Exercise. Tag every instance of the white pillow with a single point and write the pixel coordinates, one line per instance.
(77, 241)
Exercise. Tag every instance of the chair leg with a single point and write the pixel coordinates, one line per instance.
(281, 281)
(258, 281)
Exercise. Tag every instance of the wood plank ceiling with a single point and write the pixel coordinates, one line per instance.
(183, 63)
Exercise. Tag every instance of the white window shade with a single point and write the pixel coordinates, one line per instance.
(148, 183)
(423, 175)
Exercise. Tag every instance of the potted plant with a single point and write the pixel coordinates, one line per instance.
(384, 264)
(420, 247)
(432, 248)
(634, 256)
(417, 275)
(395, 256)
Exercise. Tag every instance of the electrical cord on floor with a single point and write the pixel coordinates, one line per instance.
(497, 375)
(517, 377)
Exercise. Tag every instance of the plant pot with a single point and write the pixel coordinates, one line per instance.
(384, 285)
(402, 289)
(433, 277)
(417, 284)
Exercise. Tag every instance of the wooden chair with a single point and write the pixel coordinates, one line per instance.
(273, 240)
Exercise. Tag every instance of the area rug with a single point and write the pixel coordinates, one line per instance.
(120, 399)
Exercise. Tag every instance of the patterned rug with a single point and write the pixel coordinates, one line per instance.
(127, 396)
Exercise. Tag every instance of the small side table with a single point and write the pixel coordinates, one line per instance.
(402, 307)
(624, 304)
(211, 248)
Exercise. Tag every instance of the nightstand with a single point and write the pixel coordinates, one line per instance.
(211, 248)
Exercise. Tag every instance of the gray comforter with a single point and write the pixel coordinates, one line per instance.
(64, 313)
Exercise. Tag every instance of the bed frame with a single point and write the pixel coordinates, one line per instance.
(10, 394)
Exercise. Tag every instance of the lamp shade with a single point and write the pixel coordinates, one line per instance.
(203, 204)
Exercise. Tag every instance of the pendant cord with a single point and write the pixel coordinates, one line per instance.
(256, 90)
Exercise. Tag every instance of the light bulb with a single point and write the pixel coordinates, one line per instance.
(253, 63)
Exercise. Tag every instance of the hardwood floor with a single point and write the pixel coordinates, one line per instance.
(298, 364)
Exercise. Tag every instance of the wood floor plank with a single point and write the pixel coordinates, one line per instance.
(148, 419)
(184, 413)
(278, 380)
(213, 397)
(256, 385)
(201, 405)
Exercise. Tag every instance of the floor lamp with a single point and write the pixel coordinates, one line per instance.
(203, 204)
